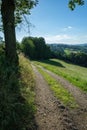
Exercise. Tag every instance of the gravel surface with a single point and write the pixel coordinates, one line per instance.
(51, 113)
(79, 115)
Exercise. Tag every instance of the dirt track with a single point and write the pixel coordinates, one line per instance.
(51, 114)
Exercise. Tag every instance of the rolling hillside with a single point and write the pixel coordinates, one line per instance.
(62, 47)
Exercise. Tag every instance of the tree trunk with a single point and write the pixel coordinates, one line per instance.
(7, 11)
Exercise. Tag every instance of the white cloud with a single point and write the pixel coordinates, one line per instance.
(79, 39)
(66, 39)
(67, 28)
(57, 38)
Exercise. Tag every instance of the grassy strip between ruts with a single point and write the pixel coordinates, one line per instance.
(59, 91)
(75, 74)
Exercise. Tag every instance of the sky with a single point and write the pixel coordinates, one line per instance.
(53, 20)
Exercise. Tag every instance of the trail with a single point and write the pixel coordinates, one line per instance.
(79, 95)
(79, 115)
(51, 114)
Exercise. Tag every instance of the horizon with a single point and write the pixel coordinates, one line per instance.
(67, 44)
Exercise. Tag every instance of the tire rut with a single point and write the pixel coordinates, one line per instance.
(79, 95)
(51, 114)
(79, 115)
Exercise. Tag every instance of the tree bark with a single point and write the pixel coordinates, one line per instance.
(7, 11)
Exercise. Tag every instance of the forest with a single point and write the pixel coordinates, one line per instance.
(75, 54)
(37, 48)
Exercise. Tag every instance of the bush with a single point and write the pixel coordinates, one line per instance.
(28, 47)
(16, 107)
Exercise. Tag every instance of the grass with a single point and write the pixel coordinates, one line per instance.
(75, 74)
(17, 107)
(59, 91)
(27, 89)
(67, 51)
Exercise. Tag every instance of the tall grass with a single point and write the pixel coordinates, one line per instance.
(75, 74)
(16, 95)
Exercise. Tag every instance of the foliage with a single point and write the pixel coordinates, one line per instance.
(77, 58)
(72, 3)
(18, 47)
(16, 95)
(35, 48)
(76, 54)
(13, 12)
(2, 47)
(22, 8)
(28, 47)
(27, 84)
(75, 74)
(74, 48)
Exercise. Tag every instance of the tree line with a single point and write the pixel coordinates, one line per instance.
(35, 48)
(69, 53)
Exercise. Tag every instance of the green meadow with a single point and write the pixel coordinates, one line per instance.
(77, 75)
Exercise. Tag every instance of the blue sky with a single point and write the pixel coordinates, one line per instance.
(53, 20)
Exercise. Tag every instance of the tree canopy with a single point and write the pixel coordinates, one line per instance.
(35, 48)
(72, 3)
(22, 8)
(12, 13)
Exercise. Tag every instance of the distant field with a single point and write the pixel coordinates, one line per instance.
(75, 74)
(69, 51)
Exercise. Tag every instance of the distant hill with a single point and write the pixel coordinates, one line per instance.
(62, 47)
(76, 54)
